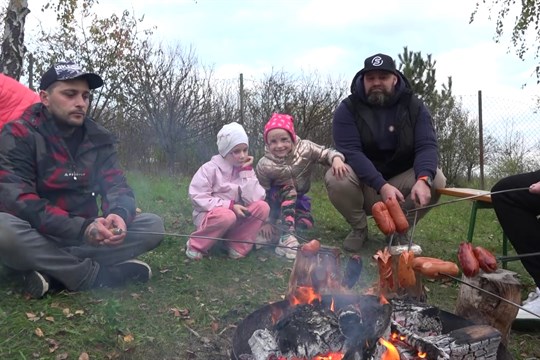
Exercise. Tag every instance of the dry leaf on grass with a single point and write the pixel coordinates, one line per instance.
(39, 332)
(49, 318)
(32, 316)
(62, 356)
(215, 326)
(84, 356)
(53, 345)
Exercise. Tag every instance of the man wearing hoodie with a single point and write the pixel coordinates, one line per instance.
(387, 136)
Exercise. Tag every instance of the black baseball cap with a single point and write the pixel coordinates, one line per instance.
(380, 62)
(68, 70)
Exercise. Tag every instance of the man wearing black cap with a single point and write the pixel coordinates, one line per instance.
(56, 166)
(388, 139)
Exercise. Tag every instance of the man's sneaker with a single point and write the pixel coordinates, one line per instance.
(288, 246)
(36, 284)
(355, 240)
(532, 296)
(193, 254)
(233, 254)
(121, 273)
(533, 306)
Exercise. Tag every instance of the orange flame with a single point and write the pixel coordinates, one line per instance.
(391, 352)
(329, 356)
(276, 313)
(304, 295)
(332, 306)
(422, 355)
(382, 300)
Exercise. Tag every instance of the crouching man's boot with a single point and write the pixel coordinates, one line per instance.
(355, 240)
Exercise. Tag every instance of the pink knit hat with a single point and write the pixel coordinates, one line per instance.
(280, 121)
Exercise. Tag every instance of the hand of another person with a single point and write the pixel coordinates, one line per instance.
(240, 210)
(248, 162)
(535, 188)
(338, 168)
(421, 193)
(389, 191)
(267, 230)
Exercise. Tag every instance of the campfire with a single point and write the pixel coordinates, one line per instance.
(322, 319)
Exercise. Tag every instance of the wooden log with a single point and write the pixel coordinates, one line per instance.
(484, 309)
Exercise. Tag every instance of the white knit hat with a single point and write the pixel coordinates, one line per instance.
(229, 136)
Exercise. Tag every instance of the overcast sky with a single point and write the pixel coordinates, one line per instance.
(335, 36)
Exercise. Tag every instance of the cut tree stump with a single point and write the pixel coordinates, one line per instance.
(484, 309)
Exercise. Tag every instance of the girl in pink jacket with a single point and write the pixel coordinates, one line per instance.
(228, 201)
(14, 99)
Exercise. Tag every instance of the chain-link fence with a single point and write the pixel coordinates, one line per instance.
(508, 134)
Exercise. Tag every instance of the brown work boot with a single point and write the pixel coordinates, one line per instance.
(355, 240)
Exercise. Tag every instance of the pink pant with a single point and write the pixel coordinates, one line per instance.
(223, 223)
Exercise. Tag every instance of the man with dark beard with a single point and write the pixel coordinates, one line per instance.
(63, 194)
(388, 139)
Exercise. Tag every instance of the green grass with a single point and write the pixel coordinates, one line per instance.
(189, 309)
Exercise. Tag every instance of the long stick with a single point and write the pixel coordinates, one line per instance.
(516, 257)
(466, 198)
(490, 293)
(120, 231)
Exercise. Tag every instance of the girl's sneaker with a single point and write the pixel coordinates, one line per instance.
(304, 224)
(233, 254)
(193, 254)
(288, 246)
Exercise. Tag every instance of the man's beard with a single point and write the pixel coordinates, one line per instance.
(379, 97)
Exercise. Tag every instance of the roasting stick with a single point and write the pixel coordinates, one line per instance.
(466, 198)
(117, 231)
(412, 231)
(490, 293)
(517, 257)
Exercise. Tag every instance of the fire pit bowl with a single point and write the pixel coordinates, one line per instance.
(263, 318)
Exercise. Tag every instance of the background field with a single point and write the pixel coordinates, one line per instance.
(189, 310)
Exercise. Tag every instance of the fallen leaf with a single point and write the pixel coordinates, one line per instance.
(163, 271)
(53, 345)
(215, 326)
(49, 318)
(62, 356)
(39, 332)
(135, 295)
(84, 356)
(32, 317)
(128, 338)
(79, 312)
(66, 311)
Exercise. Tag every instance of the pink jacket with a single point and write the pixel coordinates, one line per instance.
(218, 184)
(14, 99)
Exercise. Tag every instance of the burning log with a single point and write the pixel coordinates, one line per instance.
(308, 331)
(482, 308)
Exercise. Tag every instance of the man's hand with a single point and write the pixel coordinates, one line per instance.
(99, 233)
(240, 210)
(421, 193)
(339, 169)
(389, 191)
(535, 188)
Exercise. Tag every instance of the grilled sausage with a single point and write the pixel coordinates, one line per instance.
(486, 260)
(467, 260)
(402, 225)
(382, 218)
(434, 268)
(311, 248)
(406, 276)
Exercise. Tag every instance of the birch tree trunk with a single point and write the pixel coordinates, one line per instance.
(13, 49)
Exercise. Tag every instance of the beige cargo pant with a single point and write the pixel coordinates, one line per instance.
(354, 199)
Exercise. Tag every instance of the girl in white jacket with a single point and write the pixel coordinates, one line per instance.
(223, 191)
